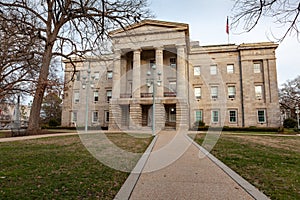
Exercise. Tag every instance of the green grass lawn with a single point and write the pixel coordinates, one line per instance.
(60, 168)
(271, 163)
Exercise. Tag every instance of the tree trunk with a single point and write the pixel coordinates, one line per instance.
(34, 119)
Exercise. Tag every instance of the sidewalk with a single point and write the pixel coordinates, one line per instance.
(30, 137)
(177, 169)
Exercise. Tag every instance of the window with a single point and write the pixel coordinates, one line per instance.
(152, 63)
(96, 75)
(197, 71)
(109, 75)
(197, 91)
(232, 116)
(257, 67)
(214, 92)
(261, 116)
(258, 92)
(173, 62)
(230, 69)
(76, 96)
(106, 116)
(198, 115)
(231, 92)
(77, 74)
(172, 86)
(95, 116)
(213, 69)
(96, 96)
(108, 95)
(74, 116)
(215, 116)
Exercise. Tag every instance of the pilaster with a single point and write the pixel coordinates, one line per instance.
(159, 68)
(135, 122)
(116, 75)
(136, 74)
(181, 76)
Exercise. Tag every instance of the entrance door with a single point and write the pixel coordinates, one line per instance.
(146, 115)
(170, 115)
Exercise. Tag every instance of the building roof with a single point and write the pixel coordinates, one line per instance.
(150, 22)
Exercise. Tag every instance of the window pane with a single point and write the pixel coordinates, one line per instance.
(198, 114)
(96, 96)
(197, 71)
(109, 75)
(215, 116)
(231, 91)
(232, 116)
(76, 97)
(230, 69)
(96, 75)
(261, 116)
(197, 92)
(106, 116)
(213, 70)
(172, 86)
(74, 116)
(214, 92)
(95, 116)
(108, 95)
(257, 67)
(258, 92)
(173, 62)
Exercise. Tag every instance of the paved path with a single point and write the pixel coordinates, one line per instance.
(176, 169)
(30, 137)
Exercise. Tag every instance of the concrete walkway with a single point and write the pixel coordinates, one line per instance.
(30, 137)
(177, 168)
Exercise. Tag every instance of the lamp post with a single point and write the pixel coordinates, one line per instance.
(152, 81)
(297, 113)
(86, 83)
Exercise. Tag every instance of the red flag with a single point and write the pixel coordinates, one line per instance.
(227, 26)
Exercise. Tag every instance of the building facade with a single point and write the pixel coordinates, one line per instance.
(221, 85)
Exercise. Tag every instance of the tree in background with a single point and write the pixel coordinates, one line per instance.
(19, 60)
(283, 12)
(51, 110)
(68, 28)
(289, 97)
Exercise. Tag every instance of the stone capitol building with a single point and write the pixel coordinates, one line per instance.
(221, 85)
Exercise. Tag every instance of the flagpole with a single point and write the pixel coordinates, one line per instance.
(228, 38)
(227, 29)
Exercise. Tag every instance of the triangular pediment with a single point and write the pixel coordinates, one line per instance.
(150, 26)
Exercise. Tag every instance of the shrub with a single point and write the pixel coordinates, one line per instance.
(53, 123)
(289, 123)
(199, 123)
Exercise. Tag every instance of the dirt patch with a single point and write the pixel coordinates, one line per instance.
(286, 143)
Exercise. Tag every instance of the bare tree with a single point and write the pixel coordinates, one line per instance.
(283, 12)
(70, 27)
(289, 96)
(19, 62)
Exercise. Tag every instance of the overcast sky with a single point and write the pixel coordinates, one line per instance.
(207, 22)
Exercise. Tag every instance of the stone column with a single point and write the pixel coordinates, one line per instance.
(114, 116)
(136, 74)
(135, 122)
(114, 107)
(181, 90)
(159, 68)
(116, 75)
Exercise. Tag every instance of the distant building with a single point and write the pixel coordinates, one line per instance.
(221, 85)
(8, 114)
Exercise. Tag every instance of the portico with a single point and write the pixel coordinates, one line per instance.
(130, 85)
